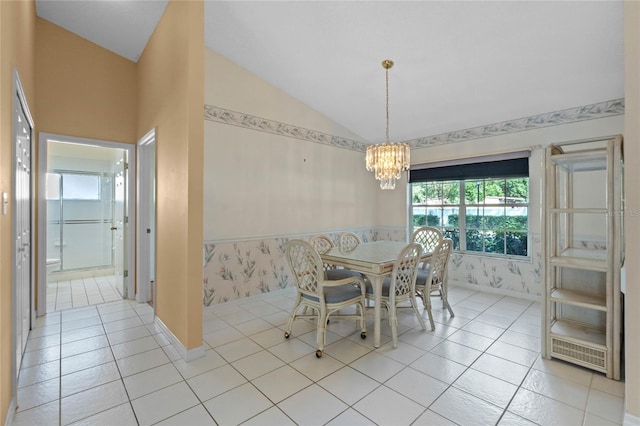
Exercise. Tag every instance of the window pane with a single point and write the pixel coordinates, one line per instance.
(495, 191)
(80, 187)
(494, 241)
(451, 192)
(473, 191)
(517, 218)
(494, 217)
(518, 190)
(434, 217)
(474, 240)
(450, 217)
(419, 193)
(474, 217)
(419, 216)
(434, 193)
(517, 243)
(454, 234)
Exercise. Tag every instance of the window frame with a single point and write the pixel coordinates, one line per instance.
(482, 172)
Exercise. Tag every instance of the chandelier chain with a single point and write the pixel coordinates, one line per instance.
(387, 81)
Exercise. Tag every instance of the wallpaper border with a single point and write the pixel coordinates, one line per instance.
(248, 121)
(566, 116)
(571, 115)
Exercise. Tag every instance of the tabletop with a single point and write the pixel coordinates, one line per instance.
(374, 258)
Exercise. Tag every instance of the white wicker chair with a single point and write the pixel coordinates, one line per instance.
(323, 296)
(434, 278)
(428, 237)
(400, 287)
(348, 241)
(322, 244)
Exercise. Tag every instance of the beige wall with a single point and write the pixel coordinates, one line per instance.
(632, 208)
(17, 37)
(260, 184)
(83, 89)
(170, 98)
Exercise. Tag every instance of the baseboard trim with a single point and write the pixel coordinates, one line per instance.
(11, 412)
(499, 291)
(186, 354)
(630, 420)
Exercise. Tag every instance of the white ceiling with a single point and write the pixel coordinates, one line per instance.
(458, 64)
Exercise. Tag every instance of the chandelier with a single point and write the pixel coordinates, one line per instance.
(388, 160)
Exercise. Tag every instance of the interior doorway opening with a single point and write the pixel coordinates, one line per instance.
(86, 249)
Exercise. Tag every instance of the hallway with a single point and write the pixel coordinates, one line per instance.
(81, 292)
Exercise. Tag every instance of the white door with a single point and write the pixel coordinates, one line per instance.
(119, 226)
(22, 228)
(146, 222)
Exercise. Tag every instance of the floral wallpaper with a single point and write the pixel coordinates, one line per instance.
(522, 276)
(238, 269)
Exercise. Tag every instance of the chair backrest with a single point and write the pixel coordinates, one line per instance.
(428, 237)
(405, 270)
(321, 243)
(306, 265)
(440, 261)
(348, 241)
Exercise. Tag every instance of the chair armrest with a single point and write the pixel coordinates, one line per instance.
(348, 280)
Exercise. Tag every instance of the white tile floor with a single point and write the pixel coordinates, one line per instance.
(81, 292)
(108, 364)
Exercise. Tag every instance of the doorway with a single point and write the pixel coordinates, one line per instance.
(85, 214)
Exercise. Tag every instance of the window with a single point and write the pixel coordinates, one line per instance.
(479, 212)
(79, 186)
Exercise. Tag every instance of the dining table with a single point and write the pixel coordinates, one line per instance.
(375, 260)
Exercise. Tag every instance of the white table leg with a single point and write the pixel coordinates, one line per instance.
(376, 282)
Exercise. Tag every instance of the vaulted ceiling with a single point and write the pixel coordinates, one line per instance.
(458, 64)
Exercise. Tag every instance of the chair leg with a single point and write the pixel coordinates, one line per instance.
(363, 321)
(393, 322)
(420, 294)
(321, 331)
(428, 307)
(445, 300)
(414, 304)
(292, 317)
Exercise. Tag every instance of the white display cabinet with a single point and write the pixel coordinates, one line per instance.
(584, 253)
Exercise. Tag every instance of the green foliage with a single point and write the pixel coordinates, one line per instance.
(494, 242)
(491, 222)
(476, 191)
(424, 220)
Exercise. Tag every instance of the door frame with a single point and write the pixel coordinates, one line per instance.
(145, 187)
(43, 138)
(19, 100)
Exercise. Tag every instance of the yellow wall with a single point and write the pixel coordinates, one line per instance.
(632, 207)
(83, 89)
(17, 35)
(170, 98)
